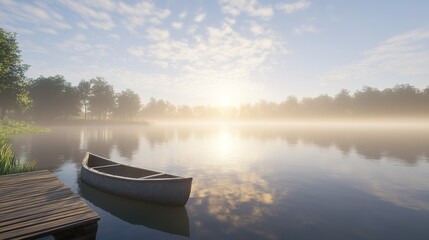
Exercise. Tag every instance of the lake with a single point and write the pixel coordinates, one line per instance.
(254, 181)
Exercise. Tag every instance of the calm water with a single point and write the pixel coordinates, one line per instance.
(254, 181)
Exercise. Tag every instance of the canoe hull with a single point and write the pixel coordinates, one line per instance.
(165, 191)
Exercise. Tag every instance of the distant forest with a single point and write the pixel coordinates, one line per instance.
(55, 98)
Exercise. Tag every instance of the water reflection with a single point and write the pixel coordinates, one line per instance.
(409, 145)
(126, 141)
(99, 140)
(164, 218)
(50, 150)
(231, 193)
(266, 181)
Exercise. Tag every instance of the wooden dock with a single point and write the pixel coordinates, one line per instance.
(37, 204)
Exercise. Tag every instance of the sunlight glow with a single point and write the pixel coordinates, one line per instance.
(224, 141)
(224, 101)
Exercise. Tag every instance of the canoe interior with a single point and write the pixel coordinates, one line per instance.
(94, 161)
(113, 168)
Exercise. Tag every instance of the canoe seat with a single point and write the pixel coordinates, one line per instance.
(154, 175)
(111, 165)
(160, 175)
(126, 171)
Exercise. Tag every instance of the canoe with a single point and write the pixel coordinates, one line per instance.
(136, 183)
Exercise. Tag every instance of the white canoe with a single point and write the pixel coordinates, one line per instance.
(135, 182)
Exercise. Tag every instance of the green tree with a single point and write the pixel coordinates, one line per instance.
(102, 99)
(13, 93)
(128, 104)
(84, 89)
(71, 105)
(53, 97)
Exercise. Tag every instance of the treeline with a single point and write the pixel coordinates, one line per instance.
(54, 98)
(402, 100)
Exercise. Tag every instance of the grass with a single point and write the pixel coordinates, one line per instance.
(9, 164)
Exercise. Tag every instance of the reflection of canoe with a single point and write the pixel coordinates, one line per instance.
(163, 218)
(134, 182)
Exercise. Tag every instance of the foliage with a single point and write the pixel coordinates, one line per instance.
(13, 94)
(102, 98)
(9, 127)
(8, 162)
(53, 97)
(84, 89)
(158, 108)
(128, 104)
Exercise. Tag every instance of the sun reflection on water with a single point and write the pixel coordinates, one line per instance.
(225, 142)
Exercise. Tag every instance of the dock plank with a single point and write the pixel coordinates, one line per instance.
(37, 204)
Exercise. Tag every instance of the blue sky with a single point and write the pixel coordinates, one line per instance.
(225, 51)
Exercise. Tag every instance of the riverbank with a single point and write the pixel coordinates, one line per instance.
(81, 122)
(8, 162)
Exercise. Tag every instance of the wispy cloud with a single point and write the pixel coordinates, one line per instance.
(200, 17)
(250, 7)
(156, 34)
(256, 28)
(100, 13)
(18, 30)
(80, 44)
(293, 7)
(94, 17)
(221, 55)
(305, 28)
(114, 36)
(404, 55)
(48, 31)
(183, 14)
(109, 5)
(137, 15)
(82, 25)
(136, 51)
(39, 15)
(177, 25)
(77, 43)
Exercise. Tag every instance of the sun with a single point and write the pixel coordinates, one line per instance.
(224, 101)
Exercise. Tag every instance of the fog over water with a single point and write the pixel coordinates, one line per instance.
(273, 181)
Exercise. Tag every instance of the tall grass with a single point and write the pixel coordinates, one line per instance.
(8, 162)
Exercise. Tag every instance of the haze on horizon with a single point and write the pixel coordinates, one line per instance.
(225, 52)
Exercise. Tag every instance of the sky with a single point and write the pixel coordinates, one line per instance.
(225, 52)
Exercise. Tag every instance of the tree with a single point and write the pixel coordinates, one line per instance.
(158, 108)
(70, 101)
(84, 89)
(128, 104)
(102, 99)
(343, 102)
(290, 107)
(13, 93)
(368, 101)
(184, 111)
(425, 100)
(53, 97)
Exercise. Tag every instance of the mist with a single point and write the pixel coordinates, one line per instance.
(54, 99)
